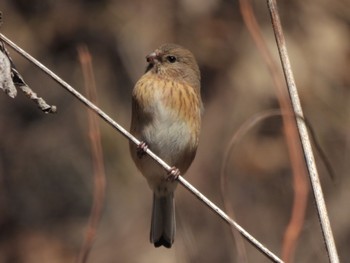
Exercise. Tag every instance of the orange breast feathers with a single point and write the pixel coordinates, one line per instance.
(152, 93)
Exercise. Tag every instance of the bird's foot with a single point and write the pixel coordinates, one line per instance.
(173, 174)
(141, 149)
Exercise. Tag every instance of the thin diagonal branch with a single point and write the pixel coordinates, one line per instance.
(126, 134)
(304, 136)
(228, 220)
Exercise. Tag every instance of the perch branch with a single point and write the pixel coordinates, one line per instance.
(126, 134)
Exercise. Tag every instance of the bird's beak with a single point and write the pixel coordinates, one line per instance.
(153, 57)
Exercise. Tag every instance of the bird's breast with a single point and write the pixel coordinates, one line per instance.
(172, 110)
(167, 99)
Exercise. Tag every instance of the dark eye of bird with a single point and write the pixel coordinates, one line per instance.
(171, 59)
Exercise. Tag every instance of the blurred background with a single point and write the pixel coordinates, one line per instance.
(46, 177)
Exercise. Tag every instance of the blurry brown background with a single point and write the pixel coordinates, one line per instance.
(45, 160)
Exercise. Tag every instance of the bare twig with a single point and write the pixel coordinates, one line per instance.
(304, 136)
(126, 134)
(97, 157)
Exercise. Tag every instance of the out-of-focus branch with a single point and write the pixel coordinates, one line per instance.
(130, 137)
(97, 156)
(224, 179)
(300, 185)
(304, 136)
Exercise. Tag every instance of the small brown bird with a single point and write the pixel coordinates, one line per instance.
(166, 117)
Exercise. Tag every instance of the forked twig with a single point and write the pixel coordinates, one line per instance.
(126, 134)
(304, 136)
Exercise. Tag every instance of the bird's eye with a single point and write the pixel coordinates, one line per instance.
(171, 59)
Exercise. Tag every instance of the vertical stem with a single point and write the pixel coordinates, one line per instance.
(304, 136)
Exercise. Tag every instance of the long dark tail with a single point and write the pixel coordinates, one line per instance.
(163, 224)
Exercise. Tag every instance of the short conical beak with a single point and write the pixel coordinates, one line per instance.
(153, 57)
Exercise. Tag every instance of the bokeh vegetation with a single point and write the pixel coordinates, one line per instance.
(45, 160)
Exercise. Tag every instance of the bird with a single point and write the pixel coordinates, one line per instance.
(166, 118)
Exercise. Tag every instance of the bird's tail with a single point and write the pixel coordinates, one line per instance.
(163, 220)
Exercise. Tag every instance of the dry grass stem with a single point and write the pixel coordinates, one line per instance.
(304, 136)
